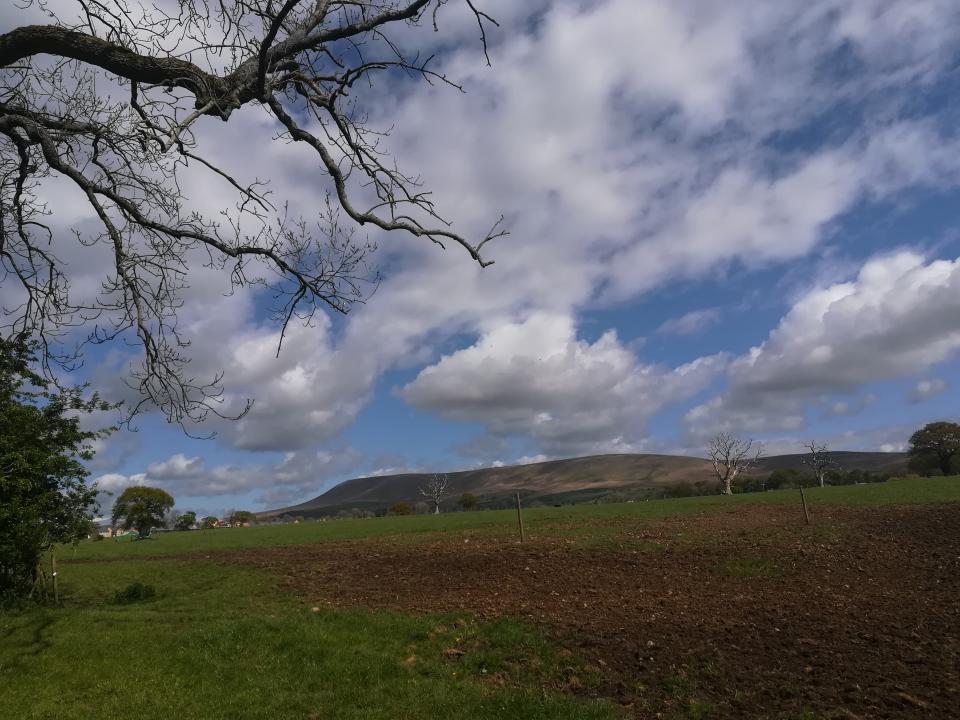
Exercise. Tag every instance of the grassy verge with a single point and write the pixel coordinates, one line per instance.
(220, 642)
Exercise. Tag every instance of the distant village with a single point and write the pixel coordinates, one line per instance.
(186, 521)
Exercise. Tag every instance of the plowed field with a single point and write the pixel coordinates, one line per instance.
(741, 614)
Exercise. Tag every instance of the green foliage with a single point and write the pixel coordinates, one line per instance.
(43, 497)
(185, 521)
(401, 508)
(241, 517)
(784, 478)
(134, 592)
(142, 508)
(791, 479)
(208, 522)
(468, 500)
(685, 488)
(750, 483)
(935, 448)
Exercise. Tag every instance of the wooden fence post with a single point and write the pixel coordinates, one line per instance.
(520, 517)
(803, 500)
(56, 587)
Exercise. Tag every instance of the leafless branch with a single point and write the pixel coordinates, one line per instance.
(435, 490)
(731, 456)
(819, 460)
(300, 60)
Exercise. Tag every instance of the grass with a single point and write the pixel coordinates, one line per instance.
(749, 567)
(538, 521)
(221, 641)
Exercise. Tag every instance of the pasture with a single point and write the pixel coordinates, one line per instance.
(691, 608)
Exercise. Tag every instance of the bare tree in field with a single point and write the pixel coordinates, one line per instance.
(435, 490)
(819, 460)
(731, 456)
(108, 99)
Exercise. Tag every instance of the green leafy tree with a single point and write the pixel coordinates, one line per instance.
(401, 508)
(185, 521)
(936, 445)
(208, 522)
(241, 517)
(784, 478)
(468, 500)
(44, 498)
(142, 508)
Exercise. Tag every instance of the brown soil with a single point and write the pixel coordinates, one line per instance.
(731, 615)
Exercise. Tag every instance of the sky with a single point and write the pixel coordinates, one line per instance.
(723, 216)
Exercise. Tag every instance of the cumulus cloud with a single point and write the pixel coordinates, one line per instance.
(568, 175)
(116, 482)
(656, 155)
(295, 475)
(851, 406)
(536, 379)
(897, 317)
(927, 389)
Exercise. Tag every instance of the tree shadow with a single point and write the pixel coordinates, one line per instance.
(24, 640)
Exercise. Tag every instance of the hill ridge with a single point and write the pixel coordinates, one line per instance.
(565, 479)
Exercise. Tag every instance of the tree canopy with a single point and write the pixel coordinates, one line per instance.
(185, 521)
(111, 105)
(142, 508)
(241, 517)
(44, 498)
(936, 446)
(401, 507)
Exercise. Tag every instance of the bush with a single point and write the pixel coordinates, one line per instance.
(749, 484)
(134, 592)
(685, 488)
(401, 508)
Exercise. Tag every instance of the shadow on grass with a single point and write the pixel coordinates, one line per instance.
(24, 636)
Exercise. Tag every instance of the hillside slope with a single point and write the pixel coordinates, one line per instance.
(573, 479)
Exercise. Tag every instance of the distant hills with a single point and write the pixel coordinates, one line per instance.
(582, 479)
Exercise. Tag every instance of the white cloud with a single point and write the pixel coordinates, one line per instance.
(117, 483)
(632, 144)
(691, 322)
(536, 379)
(897, 317)
(927, 389)
(851, 406)
(296, 475)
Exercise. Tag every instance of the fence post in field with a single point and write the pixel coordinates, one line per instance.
(53, 572)
(803, 500)
(520, 517)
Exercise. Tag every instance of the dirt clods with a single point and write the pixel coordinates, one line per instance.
(739, 614)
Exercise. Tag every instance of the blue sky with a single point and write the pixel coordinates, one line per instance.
(723, 216)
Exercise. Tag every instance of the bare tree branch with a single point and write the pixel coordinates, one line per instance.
(731, 456)
(819, 460)
(300, 60)
(435, 490)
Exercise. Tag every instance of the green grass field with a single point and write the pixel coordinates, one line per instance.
(503, 522)
(221, 641)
